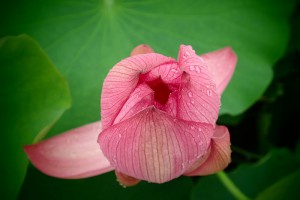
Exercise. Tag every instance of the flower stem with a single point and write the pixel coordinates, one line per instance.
(231, 187)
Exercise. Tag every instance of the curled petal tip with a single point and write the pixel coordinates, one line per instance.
(219, 156)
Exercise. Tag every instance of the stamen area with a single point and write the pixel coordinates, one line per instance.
(161, 90)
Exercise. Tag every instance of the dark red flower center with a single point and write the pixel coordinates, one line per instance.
(161, 90)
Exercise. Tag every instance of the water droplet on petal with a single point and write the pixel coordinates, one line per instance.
(192, 67)
(192, 102)
(198, 70)
(120, 135)
(190, 94)
(199, 129)
(208, 92)
(187, 53)
(174, 70)
(192, 127)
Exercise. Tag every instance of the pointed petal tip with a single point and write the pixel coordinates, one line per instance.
(71, 155)
(230, 52)
(141, 49)
(185, 48)
(221, 64)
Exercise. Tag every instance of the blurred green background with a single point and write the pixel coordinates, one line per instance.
(55, 54)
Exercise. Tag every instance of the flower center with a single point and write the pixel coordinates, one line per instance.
(161, 90)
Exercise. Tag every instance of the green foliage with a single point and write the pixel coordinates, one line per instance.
(100, 187)
(252, 179)
(33, 96)
(286, 188)
(85, 39)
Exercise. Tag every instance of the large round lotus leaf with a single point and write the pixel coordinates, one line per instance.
(33, 96)
(86, 38)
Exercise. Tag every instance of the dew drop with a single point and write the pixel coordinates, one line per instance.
(192, 67)
(199, 129)
(192, 102)
(114, 160)
(198, 70)
(190, 94)
(174, 70)
(187, 53)
(208, 92)
(192, 127)
(120, 135)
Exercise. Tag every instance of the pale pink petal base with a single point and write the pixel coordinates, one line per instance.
(219, 156)
(73, 154)
(221, 64)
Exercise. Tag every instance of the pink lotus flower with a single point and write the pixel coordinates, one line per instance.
(158, 121)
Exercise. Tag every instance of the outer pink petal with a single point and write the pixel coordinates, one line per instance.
(219, 156)
(122, 80)
(198, 99)
(141, 49)
(221, 64)
(74, 154)
(154, 146)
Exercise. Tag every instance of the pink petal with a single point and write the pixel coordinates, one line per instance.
(141, 49)
(154, 146)
(139, 99)
(221, 65)
(219, 156)
(122, 80)
(198, 99)
(74, 154)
